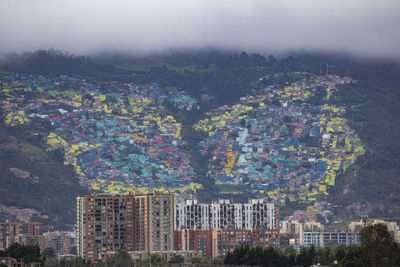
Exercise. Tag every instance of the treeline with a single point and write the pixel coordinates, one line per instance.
(377, 249)
(54, 62)
(27, 254)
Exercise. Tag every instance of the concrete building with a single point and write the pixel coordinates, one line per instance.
(33, 228)
(291, 230)
(216, 243)
(15, 229)
(393, 227)
(296, 227)
(132, 222)
(216, 228)
(19, 232)
(323, 239)
(225, 215)
(59, 241)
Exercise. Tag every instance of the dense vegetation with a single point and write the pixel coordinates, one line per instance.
(27, 254)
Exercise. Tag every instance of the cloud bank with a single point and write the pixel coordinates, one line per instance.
(359, 27)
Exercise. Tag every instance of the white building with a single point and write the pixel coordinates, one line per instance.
(225, 215)
(323, 239)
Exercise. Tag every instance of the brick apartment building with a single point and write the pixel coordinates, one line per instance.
(216, 243)
(19, 232)
(214, 229)
(132, 222)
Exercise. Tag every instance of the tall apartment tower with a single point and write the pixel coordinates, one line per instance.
(214, 229)
(221, 215)
(161, 222)
(131, 222)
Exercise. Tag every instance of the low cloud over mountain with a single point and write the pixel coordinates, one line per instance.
(360, 27)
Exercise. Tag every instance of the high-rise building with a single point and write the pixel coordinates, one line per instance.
(214, 229)
(15, 228)
(225, 215)
(132, 222)
(33, 228)
(59, 241)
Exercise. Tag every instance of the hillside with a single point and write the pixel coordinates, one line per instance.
(32, 178)
(190, 123)
(369, 187)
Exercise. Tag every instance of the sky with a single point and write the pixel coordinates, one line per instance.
(360, 27)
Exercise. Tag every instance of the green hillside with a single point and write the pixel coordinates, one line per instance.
(32, 178)
(371, 186)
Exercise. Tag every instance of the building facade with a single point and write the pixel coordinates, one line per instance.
(59, 241)
(24, 233)
(134, 223)
(214, 229)
(323, 239)
(216, 243)
(226, 215)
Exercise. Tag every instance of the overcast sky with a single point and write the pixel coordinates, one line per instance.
(361, 27)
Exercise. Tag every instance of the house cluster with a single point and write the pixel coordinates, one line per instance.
(279, 142)
(116, 136)
(24, 215)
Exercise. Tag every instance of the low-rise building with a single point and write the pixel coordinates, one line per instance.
(323, 239)
(216, 243)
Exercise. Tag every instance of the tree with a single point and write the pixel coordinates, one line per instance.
(377, 249)
(48, 253)
(156, 259)
(306, 256)
(177, 259)
(119, 259)
(246, 255)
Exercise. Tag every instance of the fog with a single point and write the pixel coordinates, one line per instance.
(360, 27)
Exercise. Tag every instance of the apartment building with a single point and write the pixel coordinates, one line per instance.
(216, 228)
(23, 233)
(216, 243)
(323, 239)
(226, 215)
(59, 241)
(132, 222)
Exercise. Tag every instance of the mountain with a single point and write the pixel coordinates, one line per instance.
(118, 117)
(35, 179)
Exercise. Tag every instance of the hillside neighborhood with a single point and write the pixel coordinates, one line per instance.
(277, 141)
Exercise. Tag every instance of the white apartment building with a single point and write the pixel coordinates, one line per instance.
(223, 214)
